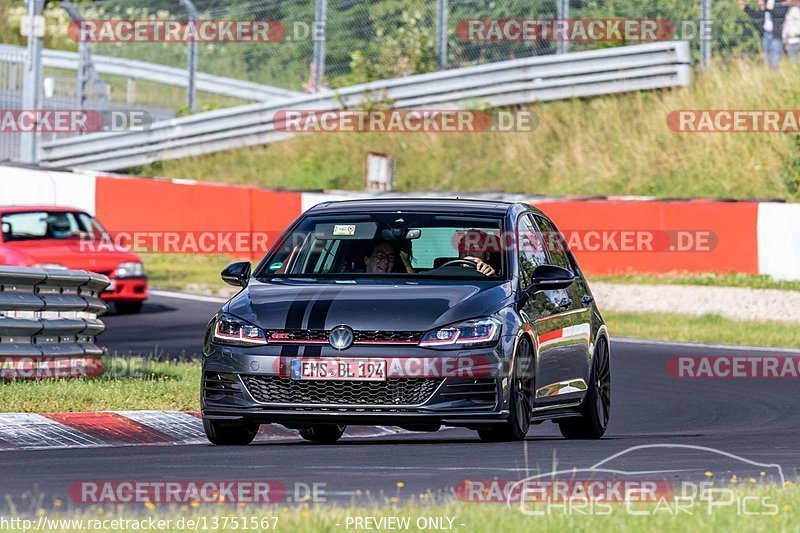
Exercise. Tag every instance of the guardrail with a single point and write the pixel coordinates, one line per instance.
(48, 323)
(143, 70)
(519, 81)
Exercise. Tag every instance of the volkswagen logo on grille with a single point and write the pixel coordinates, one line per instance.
(341, 337)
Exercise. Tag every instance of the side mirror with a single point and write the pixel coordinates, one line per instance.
(237, 274)
(549, 278)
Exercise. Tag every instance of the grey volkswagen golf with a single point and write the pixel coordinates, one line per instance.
(413, 313)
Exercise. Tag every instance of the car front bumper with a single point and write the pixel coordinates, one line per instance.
(234, 388)
(126, 290)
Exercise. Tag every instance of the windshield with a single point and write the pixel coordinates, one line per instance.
(390, 244)
(40, 225)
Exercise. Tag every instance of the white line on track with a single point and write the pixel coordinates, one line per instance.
(628, 340)
(188, 296)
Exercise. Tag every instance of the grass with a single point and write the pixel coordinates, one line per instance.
(188, 272)
(467, 517)
(710, 279)
(129, 383)
(710, 329)
(610, 145)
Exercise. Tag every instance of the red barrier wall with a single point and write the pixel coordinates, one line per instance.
(154, 205)
(733, 224)
(132, 205)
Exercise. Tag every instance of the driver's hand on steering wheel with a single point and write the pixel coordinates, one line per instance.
(481, 266)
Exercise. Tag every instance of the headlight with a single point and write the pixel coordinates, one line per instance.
(235, 332)
(477, 332)
(53, 266)
(129, 270)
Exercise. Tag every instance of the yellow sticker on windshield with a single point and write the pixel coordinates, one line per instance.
(344, 229)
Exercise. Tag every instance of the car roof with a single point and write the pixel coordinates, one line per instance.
(27, 208)
(448, 205)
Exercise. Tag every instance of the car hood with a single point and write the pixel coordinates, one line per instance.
(366, 305)
(69, 253)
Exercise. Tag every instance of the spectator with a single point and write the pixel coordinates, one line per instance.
(770, 14)
(791, 31)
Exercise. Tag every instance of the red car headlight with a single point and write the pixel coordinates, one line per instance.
(235, 332)
(477, 332)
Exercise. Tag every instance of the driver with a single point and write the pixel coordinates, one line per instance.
(476, 246)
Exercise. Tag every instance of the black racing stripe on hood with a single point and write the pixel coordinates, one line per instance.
(294, 318)
(319, 315)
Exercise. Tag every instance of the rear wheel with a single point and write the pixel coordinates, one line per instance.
(323, 433)
(519, 418)
(597, 404)
(127, 308)
(230, 433)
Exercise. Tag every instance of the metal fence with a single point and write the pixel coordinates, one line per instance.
(389, 38)
(502, 83)
(10, 98)
(49, 324)
(326, 44)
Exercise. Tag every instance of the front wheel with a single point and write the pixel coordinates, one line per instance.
(230, 433)
(323, 433)
(597, 404)
(520, 404)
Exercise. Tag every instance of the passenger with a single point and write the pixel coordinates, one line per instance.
(383, 258)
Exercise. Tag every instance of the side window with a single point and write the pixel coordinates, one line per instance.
(555, 243)
(530, 248)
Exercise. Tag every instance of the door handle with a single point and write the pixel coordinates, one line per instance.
(587, 299)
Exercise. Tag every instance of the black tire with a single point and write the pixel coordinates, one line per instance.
(128, 308)
(520, 402)
(323, 433)
(597, 404)
(230, 433)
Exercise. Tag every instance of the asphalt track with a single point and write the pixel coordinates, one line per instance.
(756, 419)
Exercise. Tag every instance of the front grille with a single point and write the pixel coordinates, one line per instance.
(297, 335)
(272, 389)
(389, 337)
(218, 385)
(475, 390)
(319, 336)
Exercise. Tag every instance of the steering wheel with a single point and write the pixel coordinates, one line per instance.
(465, 262)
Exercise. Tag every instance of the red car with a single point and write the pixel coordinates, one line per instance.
(63, 237)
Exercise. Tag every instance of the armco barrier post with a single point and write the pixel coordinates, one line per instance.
(32, 84)
(320, 34)
(49, 324)
(441, 32)
(191, 89)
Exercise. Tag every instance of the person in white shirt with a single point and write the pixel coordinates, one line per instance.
(791, 31)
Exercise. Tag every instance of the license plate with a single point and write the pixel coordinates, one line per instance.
(111, 286)
(339, 369)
